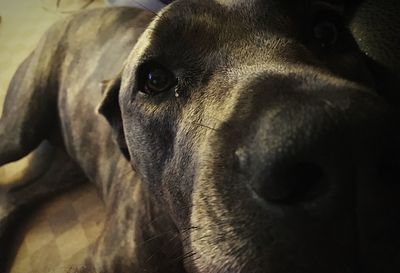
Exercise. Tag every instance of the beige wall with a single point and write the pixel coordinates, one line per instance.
(23, 23)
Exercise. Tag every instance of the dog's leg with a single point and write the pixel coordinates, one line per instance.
(25, 115)
(30, 105)
(57, 172)
(28, 117)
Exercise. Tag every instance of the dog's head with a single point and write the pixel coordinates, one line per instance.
(257, 125)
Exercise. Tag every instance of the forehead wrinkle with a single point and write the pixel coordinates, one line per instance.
(235, 3)
(205, 38)
(213, 29)
(177, 28)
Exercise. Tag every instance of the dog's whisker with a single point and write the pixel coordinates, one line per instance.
(184, 257)
(155, 237)
(203, 125)
(190, 228)
(189, 255)
(58, 5)
(149, 10)
(150, 257)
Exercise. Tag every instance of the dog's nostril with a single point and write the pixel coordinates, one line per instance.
(389, 167)
(292, 183)
(241, 160)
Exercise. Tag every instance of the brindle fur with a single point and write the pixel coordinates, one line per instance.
(257, 97)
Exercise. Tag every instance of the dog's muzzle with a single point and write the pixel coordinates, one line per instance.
(311, 161)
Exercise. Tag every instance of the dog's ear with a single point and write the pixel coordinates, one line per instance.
(109, 108)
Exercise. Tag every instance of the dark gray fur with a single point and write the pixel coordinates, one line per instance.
(222, 173)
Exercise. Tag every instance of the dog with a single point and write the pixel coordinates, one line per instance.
(223, 136)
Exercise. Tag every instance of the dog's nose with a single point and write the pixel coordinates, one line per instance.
(306, 145)
(294, 168)
(295, 182)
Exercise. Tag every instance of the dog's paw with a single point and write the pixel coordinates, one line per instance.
(7, 215)
(8, 212)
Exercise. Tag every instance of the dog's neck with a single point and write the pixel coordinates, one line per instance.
(147, 239)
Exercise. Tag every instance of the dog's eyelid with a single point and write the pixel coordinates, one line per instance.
(153, 78)
(151, 60)
(323, 6)
(323, 10)
(327, 26)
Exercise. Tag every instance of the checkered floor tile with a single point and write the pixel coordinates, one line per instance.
(59, 235)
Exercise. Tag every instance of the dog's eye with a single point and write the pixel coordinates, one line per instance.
(155, 79)
(326, 33)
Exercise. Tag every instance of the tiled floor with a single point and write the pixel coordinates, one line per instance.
(59, 233)
(58, 236)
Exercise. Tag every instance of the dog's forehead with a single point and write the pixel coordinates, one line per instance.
(232, 4)
(237, 3)
(218, 29)
(226, 19)
(270, 3)
(211, 24)
(225, 14)
(229, 3)
(192, 25)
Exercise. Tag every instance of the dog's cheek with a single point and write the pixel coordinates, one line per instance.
(150, 140)
(179, 176)
(163, 146)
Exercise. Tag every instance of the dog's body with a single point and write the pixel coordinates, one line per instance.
(175, 214)
(64, 124)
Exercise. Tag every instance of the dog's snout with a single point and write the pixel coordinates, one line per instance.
(294, 182)
(306, 143)
(300, 170)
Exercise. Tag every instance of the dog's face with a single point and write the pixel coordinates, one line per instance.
(255, 124)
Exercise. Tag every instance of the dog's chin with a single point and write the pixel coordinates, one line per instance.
(232, 268)
(223, 269)
(239, 265)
